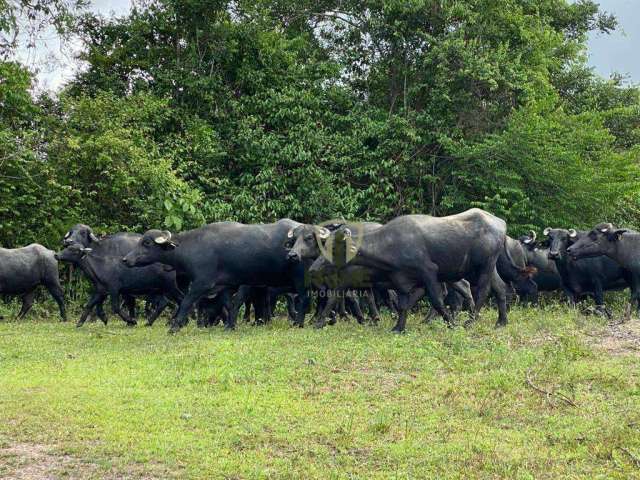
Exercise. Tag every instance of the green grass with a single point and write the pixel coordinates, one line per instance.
(344, 402)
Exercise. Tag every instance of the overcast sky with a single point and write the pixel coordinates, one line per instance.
(617, 52)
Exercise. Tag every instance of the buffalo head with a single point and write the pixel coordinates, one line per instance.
(151, 248)
(80, 234)
(601, 240)
(559, 240)
(303, 242)
(72, 253)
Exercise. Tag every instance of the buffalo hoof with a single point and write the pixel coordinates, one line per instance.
(397, 330)
(469, 323)
(500, 324)
(229, 328)
(78, 325)
(173, 330)
(318, 325)
(148, 324)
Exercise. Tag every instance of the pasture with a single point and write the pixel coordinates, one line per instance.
(554, 394)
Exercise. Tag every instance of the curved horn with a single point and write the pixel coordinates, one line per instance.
(323, 233)
(606, 227)
(164, 237)
(92, 237)
(347, 232)
(290, 233)
(533, 235)
(546, 231)
(572, 233)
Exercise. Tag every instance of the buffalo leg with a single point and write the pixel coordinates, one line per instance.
(160, 304)
(57, 293)
(354, 306)
(635, 292)
(434, 293)
(242, 296)
(130, 303)
(27, 303)
(403, 307)
(232, 309)
(95, 299)
(499, 290)
(432, 313)
(291, 306)
(482, 288)
(464, 289)
(195, 293)
(342, 310)
(374, 314)
(247, 312)
(101, 313)
(331, 302)
(598, 296)
(117, 309)
(303, 302)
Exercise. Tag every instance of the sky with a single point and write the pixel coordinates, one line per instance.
(607, 53)
(617, 52)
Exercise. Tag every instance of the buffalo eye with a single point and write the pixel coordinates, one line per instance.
(147, 243)
(309, 237)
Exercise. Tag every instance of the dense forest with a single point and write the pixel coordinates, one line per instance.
(194, 111)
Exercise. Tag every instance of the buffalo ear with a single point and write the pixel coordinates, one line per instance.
(617, 235)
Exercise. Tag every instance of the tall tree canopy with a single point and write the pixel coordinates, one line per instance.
(191, 111)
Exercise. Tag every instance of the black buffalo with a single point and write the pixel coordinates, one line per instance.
(620, 245)
(420, 251)
(109, 277)
(305, 243)
(223, 256)
(588, 276)
(547, 277)
(512, 262)
(23, 270)
(114, 245)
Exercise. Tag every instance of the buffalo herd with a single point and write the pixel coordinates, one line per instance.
(455, 262)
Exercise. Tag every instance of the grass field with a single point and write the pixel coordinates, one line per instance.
(554, 394)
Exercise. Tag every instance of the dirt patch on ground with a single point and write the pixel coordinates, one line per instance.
(621, 337)
(25, 461)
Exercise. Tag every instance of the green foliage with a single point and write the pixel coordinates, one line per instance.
(346, 402)
(547, 169)
(191, 112)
